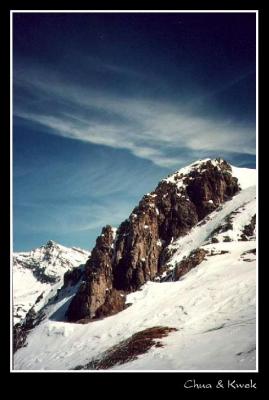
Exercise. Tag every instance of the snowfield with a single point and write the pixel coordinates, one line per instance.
(213, 307)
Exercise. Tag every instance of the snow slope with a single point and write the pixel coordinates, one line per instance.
(198, 235)
(213, 308)
(246, 176)
(41, 271)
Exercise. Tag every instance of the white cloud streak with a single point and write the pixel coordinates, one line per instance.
(148, 128)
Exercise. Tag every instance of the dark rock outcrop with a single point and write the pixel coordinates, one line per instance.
(188, 263)
(249, 229)
(19, 337)
(94, 292)
(214, 240)
(21, 330)
(138, 253)
(41, 275)
(73, 276)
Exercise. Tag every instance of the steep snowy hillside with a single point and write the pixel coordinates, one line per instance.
(201, 307)
(39, 273)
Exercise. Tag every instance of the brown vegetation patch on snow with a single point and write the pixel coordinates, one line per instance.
(129, 349)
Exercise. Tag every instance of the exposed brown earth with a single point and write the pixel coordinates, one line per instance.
(129, 349)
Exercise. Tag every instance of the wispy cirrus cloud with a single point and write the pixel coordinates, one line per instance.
(149, 128)
(139, 95)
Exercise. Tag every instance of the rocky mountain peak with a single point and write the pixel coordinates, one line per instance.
(39, 270)
(199, 166)
(123, 262)
(50, 244)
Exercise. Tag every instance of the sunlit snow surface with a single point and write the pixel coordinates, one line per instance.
(213, 307)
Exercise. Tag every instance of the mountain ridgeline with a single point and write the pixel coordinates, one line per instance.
(122, 261)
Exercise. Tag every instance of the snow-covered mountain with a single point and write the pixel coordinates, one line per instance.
(38, 274)
(191, 305)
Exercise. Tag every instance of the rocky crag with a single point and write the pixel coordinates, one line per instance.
(123, 260)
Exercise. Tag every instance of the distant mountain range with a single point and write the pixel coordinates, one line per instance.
(40, 272)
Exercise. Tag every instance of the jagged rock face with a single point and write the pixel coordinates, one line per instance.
(169, 212)
(136, 248)
(210, 188)
(93, 293)
(159, 217)
(138, 253)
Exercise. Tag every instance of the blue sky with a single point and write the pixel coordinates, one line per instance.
(105, 105)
